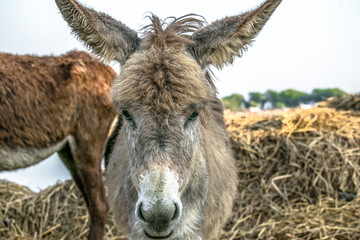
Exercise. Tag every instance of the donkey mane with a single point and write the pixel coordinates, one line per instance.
(171, 30)
(156, 79)
(175, 31)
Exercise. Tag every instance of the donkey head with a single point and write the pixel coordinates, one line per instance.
(163, 92)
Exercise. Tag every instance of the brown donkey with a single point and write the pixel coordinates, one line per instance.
(58, 104)
(171, 174)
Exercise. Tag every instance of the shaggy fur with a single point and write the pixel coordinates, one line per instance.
(107, 37)
(162, 84)
(62, 104)
(219, 43)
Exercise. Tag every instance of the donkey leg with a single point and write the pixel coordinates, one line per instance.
(88, 164)
(68, 159)
(84, 165)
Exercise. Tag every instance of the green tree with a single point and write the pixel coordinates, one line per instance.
(256, 97)
(318, 95)
(233, 102)
(280, 105)
(254, 104)
(273, 97)
(292, 97)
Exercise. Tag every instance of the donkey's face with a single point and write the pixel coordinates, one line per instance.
(162, 107)
(162, 94)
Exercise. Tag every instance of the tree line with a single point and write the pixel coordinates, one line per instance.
(273, 99)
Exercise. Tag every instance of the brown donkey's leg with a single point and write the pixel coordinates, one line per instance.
(68, 159)
(84, 164)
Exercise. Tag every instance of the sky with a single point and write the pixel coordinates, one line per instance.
(306, 44)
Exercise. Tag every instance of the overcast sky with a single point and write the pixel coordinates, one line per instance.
(306, 44)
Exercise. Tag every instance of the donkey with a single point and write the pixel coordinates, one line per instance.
(171, 173)
(58, 104)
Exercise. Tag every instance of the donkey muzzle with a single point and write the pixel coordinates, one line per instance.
(159, 207)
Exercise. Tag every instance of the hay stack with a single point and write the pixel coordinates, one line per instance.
(327, 219)
(299, 177)
(346, 102)
(293, 165)
(58, 212)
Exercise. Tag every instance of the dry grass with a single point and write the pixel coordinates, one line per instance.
(299, 177)
(58, 212)
(347, 102)
(291, 166)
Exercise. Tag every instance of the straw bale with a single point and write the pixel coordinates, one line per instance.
(58, 212)
(299, 178)
(288, 159)
(346, 102)
(329, 218)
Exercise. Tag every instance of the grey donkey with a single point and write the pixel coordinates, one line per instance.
(171, 173)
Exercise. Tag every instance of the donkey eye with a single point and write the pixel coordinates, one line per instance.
(127, 115)
(129, 118)
(193, 116)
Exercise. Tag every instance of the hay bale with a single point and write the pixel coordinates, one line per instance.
(291, 159)
(299, 175)
(58, 212)
(346, 102)
(327, 219)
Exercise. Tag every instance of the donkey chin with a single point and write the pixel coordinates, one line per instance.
(159, 210)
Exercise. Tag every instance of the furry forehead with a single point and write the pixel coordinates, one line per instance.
(163, 80)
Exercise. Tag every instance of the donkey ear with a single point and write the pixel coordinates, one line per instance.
(105, 36)
(223, 40)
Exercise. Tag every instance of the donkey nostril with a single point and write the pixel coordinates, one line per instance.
(139, 212)
(176, 212)
(159, 212)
